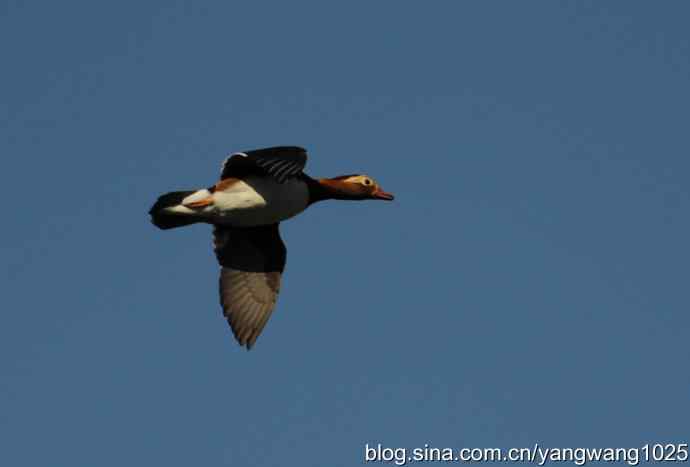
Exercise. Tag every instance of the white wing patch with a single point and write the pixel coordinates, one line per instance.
(196, 196)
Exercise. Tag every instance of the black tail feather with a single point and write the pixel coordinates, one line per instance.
(167, 220)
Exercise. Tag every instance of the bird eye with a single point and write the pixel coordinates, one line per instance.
(367, 182)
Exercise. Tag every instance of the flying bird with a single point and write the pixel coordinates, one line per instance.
(257, 190)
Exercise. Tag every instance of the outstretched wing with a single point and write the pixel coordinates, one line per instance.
(280, 162)
(252, 260)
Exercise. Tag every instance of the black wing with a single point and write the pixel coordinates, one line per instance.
(280, 162)
(252, 260)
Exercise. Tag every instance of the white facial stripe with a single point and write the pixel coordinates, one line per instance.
(359, 179)
(239, 154)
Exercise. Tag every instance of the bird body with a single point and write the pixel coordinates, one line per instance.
(247, 202)
(257, 190)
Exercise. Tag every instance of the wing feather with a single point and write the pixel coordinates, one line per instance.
(280, 162)
(252, 260)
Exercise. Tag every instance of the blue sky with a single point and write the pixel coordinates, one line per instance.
(529, 283)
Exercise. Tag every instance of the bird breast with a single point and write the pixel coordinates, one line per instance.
(259, 201)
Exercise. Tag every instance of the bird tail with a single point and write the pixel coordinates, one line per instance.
(163, 214)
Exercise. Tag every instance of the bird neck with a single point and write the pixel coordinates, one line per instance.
(330, 188)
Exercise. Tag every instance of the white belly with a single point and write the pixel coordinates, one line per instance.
(259, 201)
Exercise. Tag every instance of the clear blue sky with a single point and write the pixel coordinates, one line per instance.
(529, 283)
